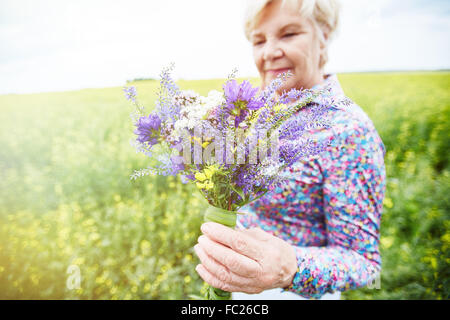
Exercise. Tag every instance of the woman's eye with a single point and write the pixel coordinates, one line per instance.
(287, 35)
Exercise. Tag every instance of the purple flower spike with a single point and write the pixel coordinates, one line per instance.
(130, 93)
(148, 129)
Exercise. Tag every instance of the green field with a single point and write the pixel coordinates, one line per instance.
(66, 197)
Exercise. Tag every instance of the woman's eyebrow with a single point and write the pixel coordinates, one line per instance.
(291, 25)
(258, 34)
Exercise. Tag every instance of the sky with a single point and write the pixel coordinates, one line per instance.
(54, 45)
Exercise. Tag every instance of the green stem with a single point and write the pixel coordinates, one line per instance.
(227, 218)
(222, 216)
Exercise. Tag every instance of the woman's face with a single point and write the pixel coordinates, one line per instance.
(284, 41)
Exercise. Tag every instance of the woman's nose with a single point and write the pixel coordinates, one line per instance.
(272, 51)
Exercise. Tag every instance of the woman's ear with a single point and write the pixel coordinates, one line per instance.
(323, 44)
(325, 37)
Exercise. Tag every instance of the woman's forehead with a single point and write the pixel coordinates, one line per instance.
(278, 19)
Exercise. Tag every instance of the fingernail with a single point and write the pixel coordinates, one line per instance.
(205, 227)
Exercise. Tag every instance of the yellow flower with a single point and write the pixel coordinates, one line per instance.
(279, 107)
(197, 139)
(78, 261)
(209, 173)
(200, 176)
(388, 202)
(387, 242)
(207, 185)
(205, 144)
(99, 280)
(204, 178)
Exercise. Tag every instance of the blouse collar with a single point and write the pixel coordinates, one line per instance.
(332, 83)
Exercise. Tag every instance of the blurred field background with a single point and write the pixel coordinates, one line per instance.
(66, 197)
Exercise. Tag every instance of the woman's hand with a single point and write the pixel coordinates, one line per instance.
(249, 261)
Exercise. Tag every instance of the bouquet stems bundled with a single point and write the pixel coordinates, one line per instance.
(226, 218)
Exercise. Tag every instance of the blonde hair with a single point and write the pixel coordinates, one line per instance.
(324, 14)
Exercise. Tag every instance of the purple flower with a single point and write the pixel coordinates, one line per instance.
(240, 99)
(130, 93)
(177, 163)
(148, 129)
(241, 96)
(168, 90)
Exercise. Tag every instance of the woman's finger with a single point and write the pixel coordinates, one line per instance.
(233, 260)
(221, 272)
(217, 283)
(234, 239)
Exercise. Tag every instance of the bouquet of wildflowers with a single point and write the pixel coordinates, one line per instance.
(233, 144)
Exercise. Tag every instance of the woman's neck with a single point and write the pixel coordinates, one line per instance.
(320, 80)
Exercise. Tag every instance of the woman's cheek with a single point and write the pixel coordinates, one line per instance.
(257, 58)
(306, 65)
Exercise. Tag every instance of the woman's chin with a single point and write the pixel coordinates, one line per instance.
(286, 86)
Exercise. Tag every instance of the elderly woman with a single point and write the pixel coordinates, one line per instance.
(319, 234)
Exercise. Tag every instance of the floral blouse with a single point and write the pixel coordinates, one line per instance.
(330, 210)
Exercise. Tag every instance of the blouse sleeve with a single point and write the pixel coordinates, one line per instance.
(246, 219)
(353, 192)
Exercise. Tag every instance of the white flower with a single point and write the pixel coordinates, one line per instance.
(192, 123)
(215, 98)
(196, 111)
(180, 124)
(186, 98)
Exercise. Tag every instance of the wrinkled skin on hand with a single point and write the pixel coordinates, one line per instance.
(248, 261)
